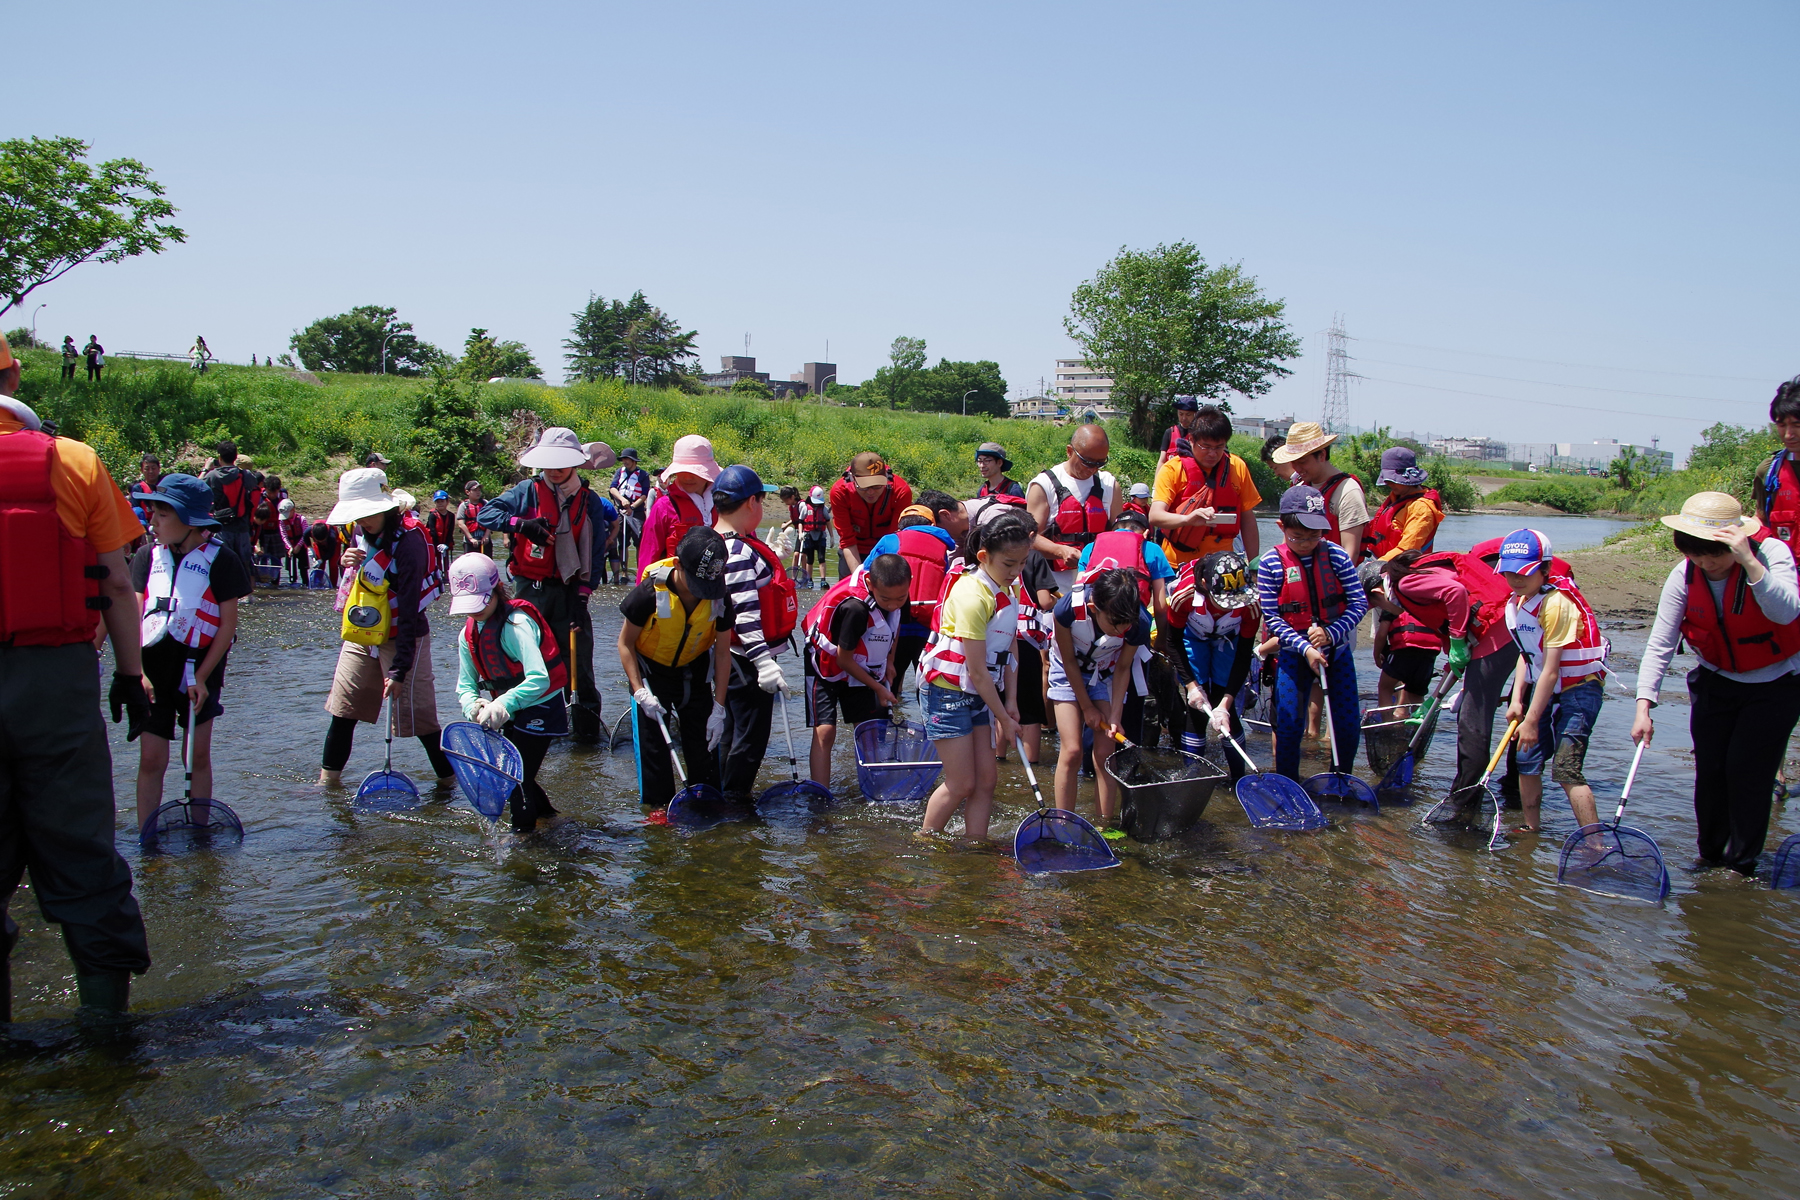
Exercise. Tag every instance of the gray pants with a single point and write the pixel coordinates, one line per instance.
(1484, 685)
(237, 539)
(56, 808)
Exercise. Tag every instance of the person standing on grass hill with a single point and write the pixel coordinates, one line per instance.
(1169, 445)
(686, 502)
(630, 492)
(67, 526)
(187, 586)
(1074, 503)
(1308, 448)
(1561, 683)
(1775, 492)
(1311, 599)
(1204, 499)
(930, 535)
(865, 506)
(95, 354)
(675, 649)
(560, 528)
(815, 526)
(386, 655)
(236, 493)
(764, 613)
(1736, 602)
(70, 356)
(993, 464)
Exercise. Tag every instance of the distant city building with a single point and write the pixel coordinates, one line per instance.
(1038, 408)
(1586, 456)
(1078, 383)
(1261, 427)
(734, 367)
(814, 377)
(1479, 449)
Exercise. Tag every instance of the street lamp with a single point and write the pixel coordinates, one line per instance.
(384, 342)
(966, 396)
(34, 313)
(822, 384)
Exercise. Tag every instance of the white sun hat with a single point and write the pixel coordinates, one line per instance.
(555, 447)
(361, 493)
(1706, 514)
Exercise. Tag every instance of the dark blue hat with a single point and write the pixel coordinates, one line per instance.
(1307, 505)
(1187, 403)
(737, 483)
(191, 499)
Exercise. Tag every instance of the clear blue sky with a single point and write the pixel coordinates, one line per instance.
(1597, 186)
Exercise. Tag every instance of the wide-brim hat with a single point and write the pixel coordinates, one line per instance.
(994, 450)
(191, 499)
(694, 455)
(1302, 440)
(361, 493)
(600, 456)
(1400, 465)
(1707, 514)
(556, 447)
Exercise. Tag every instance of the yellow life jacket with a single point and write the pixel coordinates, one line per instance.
(674, 637)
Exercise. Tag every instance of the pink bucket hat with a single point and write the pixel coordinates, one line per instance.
(693, 454)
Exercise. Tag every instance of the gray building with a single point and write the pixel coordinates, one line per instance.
(733, 367)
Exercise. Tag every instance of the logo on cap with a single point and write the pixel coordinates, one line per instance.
(1517, 550)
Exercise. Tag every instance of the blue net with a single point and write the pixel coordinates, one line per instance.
(1164, 791)
(316, 579)
(895, 763)
(1340, 787)
(1388, 736)
(387, 791)
(1277, 802)
(624, 731)
(701, 806)
(487, 766)
(1614, 860)
(1784, 872)
(1464, 806)
(793, 798)
(190, 825)
(1055, 839)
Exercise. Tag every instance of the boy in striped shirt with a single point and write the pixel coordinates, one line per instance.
(755, 675)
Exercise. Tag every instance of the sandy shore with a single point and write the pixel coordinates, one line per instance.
(1623, 579)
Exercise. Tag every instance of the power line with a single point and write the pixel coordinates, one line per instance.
(1548, 383)
(1548, 362)
(1619, 412)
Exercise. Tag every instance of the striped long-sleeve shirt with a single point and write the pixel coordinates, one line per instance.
(1268, 593)
(746, 573)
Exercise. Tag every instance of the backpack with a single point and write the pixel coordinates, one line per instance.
(779, 599)
(1119, 549)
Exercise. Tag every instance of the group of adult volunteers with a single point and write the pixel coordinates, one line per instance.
(1054, 598)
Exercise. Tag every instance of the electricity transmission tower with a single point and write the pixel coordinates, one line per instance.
(1336, 416)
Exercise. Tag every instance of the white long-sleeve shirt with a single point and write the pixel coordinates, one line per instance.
(1778, 593)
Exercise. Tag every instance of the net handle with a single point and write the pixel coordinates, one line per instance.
(1424, 713)
(787, 729)
(1030, 774)
(1207, 708)
(673, 757)
(1630, 778)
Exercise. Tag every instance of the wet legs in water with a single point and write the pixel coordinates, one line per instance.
(340, 736)
(528, 802)
(1294, 684)
(970, 773)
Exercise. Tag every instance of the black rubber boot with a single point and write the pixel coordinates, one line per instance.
(104, 994)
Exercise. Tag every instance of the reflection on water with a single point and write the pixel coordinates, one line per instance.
(417, 1005)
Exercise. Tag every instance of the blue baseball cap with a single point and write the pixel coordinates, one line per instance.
(1307, 505)
(737, 483)
(191, 499)
(1523, 551)
(440, 494)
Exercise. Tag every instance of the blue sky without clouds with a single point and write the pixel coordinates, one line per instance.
(1500, 199)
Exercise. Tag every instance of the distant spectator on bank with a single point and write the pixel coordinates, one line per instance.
(95, 354)
(199, 354)
(70, 356)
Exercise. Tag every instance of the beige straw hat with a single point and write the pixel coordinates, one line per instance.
(1704, 514)
(1302, 440)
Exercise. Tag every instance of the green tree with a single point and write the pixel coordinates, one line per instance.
(352, 342)
(907, 355)
(941, 388)
(452, 440)
(596, 345)
(1627, 469)
(1161, 323)
(659, 351)
(750, 385)
(485, 358)
(23, 339)
(57, 212)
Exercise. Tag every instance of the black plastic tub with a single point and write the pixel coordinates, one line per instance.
(1165, 791)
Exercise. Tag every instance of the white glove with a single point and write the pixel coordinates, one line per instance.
(715, 726)
(492, 715)
(648, 704)
(768, 675)
(1220, 723)
(1195, 697)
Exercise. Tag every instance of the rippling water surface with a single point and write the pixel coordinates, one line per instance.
(414, 1005)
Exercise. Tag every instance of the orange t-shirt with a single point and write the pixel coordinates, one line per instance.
(88, 502)
(1171, 486)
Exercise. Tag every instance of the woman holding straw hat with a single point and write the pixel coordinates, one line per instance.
(1735, 600)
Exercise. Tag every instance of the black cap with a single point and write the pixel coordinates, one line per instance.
(702, 557)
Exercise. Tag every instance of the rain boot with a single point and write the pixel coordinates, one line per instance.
(103, 994)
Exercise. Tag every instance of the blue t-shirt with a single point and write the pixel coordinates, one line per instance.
(1155, 561)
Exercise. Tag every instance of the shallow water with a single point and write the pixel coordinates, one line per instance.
(356, 1005)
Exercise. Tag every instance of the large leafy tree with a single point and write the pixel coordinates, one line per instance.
(942, 388)
(596, 344)
(1162, 323)
(57, 211)
(485, 358)
(659, 351)
(352, 342)
(907, 356)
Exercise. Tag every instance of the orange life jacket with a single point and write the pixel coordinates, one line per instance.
(49, 581)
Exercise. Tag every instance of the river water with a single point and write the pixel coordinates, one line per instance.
(413, 1005)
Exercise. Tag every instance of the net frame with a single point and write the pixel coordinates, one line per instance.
(1335, 786)
(488, 767)
(189, 824)
(883, 776)
(1156, 809)
(1614, 860)
(1784, 871)
(1053, 841)
(793, 793)
(388, 790)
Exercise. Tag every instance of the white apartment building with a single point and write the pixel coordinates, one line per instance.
(1078, 384)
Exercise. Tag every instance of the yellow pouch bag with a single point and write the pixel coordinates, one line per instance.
(368, 618)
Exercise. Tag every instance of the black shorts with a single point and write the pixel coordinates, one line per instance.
(812, 547)
(826, 697)
(1031, 684)
(1411, 665)
(169, 708)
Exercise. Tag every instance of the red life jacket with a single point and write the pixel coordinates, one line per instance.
(1135, 505)
(49, 581)
(1320, 598)
(1781, 501)
(1383, 533)
(929, 559)
(1075, 522)
(441, 526)
(472, 523)
(1007, 488)
(1427, 624)
(853, 589)
(1119, 549)
(1737, 637)
(1334, 534)
(869, 523)
(778, 599)
(1172, 440)
(140, 488)
(1204, 489)
(499, 672)
(436, 570)
(687, 516)
(240, 497)
(537, 560)
(814, 517)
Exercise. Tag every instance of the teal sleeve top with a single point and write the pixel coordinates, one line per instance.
(519, 638)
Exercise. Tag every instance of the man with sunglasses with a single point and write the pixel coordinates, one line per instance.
(866, 504)
(1073, 503)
